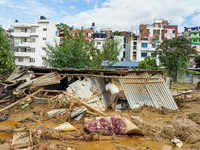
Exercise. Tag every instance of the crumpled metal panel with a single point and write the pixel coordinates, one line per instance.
(88, 87)
(153, 94)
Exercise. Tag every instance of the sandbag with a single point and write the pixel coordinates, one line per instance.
(113, 125)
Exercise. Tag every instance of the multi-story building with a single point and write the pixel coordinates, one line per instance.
(31, 39)
(158, 31)
(193, 34)
(86, 34)
(150, 36)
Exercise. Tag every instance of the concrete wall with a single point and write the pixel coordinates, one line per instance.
(187, 77)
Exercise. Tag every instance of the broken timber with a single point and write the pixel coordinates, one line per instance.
(93, 96)
(85, 104)
(27, 97)
(100, 76)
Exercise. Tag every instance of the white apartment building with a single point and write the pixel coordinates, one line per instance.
(137, 50)
(120, 46)
(30, 40)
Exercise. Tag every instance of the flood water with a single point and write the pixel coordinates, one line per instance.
(97, 145)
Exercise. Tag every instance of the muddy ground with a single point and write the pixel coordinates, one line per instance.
(159, 126)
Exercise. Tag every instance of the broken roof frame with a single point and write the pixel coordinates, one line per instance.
(100, 101)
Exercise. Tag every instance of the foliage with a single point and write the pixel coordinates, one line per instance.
(148, 63)
(76, 52)
(183, 86)
(110, 51)
(7, 64)
(197, 60)
(174, 53)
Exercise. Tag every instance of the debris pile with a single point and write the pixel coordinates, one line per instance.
(73, 97)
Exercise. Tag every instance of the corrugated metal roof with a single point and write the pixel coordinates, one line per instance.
(153, 94)
(88, 87)
(122, 64)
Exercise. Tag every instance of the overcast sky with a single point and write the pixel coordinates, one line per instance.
(117, 14)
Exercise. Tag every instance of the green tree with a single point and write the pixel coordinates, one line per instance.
(197, 60)
(148, 63)
(76, 52)
(110, 51)
(174, 53)
(7, 64)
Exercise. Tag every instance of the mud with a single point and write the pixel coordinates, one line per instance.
(159, 126)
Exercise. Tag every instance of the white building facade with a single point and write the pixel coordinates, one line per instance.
(31, 40)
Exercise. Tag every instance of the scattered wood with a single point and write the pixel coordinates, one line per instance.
(100, 76)
(22, 138)
(93, 96)
(143, 82)
(85, 104)
(184, 93)
(23, 99)
(80, 137)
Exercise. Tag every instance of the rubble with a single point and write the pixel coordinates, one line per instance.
(67, 97)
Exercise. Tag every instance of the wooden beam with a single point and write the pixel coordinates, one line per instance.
(23, 99)
(100, 76)
(142, 82)
(85, 104)
(93, 96)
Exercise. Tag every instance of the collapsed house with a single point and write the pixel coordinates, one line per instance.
(87, 86)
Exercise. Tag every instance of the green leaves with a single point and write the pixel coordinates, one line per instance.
(7, 64)
(76, 52)
(175, 53)
(148, 63)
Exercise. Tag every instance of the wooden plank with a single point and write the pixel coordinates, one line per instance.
(27, 97)
(101, 76)
(145, 83)
(142, 82)
(93, 96)
(85, 104)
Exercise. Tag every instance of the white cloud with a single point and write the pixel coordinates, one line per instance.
(122, 14)
(72, 7)
(196, 20)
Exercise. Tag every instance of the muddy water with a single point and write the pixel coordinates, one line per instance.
(98, 145)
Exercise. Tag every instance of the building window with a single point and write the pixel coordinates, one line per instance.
(32, 50)
(98, 43)
(32, 59)
(32, 40)
(187, 74)
(124, 54)
(44, 38)
(156, 31)
(194, 40)
(23, 49)
(44, 29)
(134, 43)
(33, 30)
(125, 45)
(173, 31)
(143, 54)
(43, 48)
(141, 30)
(134, 47)
(153, 45)
(23, 30)
(20, 59)
(144, 45)
(165, 31)
(153, 55)
(23, 40)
